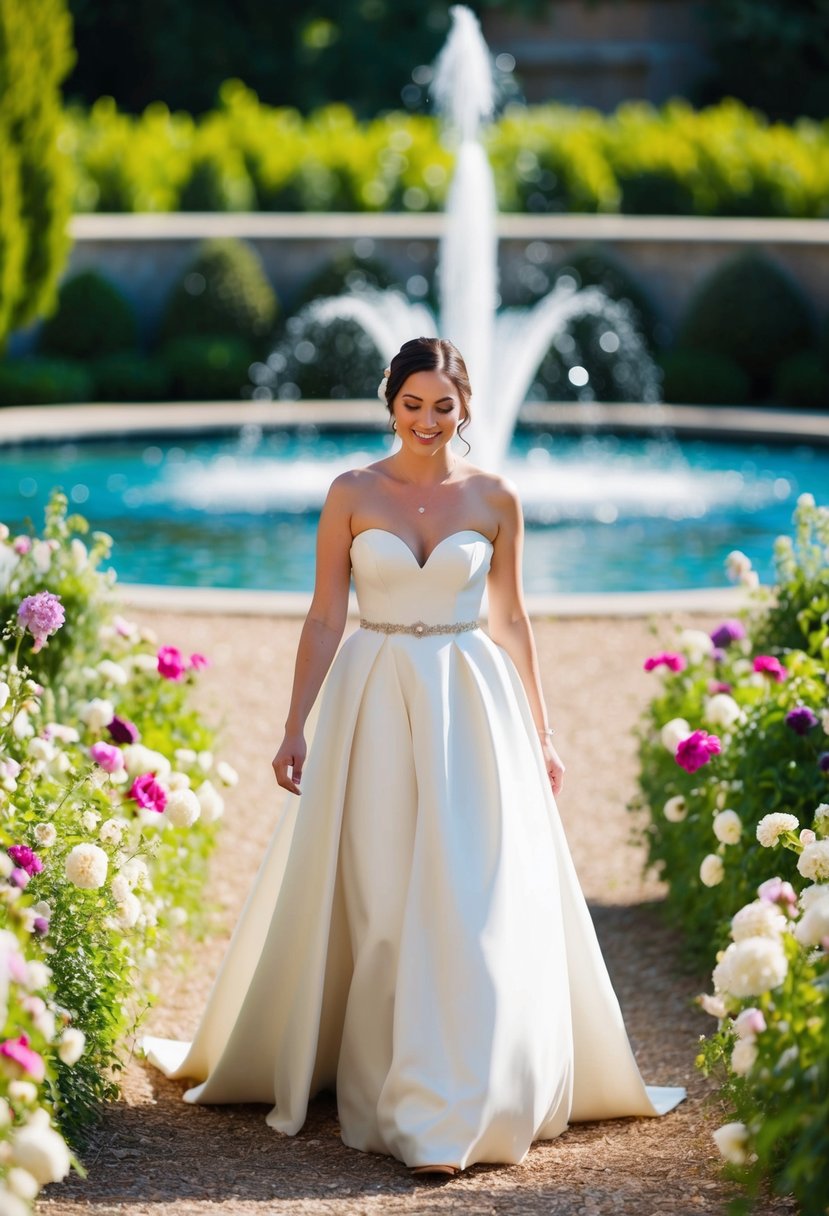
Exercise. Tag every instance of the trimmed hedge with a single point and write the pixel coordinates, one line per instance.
(223, 293)
(93, 318)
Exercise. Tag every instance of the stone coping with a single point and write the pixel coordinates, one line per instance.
(46, 423)
(254, 225)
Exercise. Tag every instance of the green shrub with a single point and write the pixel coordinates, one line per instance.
(324, 361)
(126, 376)
(93, 318)
(698, 377)
(36, 381)
(802, 381)
(752, 311)
(346, 271)
(208, 368)
(222, 293)
(218, 179)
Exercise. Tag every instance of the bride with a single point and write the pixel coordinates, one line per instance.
(416, 938)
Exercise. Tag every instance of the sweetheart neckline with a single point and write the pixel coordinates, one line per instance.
(397, 536)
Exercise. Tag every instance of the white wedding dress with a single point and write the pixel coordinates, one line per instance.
(416, 936)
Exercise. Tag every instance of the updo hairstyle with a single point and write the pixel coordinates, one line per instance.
(430, 355)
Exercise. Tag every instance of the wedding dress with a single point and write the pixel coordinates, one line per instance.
(416, 936)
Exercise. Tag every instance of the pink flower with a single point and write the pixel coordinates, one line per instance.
(149, 793)
(770, 666)
(807, 836)
(22, 544)
(171, 663)
(22, 1054)
(715, 686)
(776, 891)
(41, 614)
(108, 757)
(749, 1023)
(675, 662)
(696, 750)
(198, 662)
(19, 877)
(26, 858)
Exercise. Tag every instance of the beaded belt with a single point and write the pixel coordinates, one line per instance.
(419, 629)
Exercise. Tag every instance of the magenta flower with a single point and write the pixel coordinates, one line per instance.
(25, 857)
(801, 719)
(123, 731)
(22, 1054)
(107, 756)
(696, 750)
(198, 662)
(770, 666)
(149, 793)
(171, 663)
(730, 631)
(674, 662)
(42, 615)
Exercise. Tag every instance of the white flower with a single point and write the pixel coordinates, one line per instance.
(97, 713)
(178, 781)
(21, 726)
(129, 911)
(86, 866)
(144, 662)
(5, 693)
(184, 755)
(711, 870)
(675, 809)
(11, 1204)
(136, 873)
(722, 710)
(743, 1056)
(78, 553)
(771, 827)
(22, 1091)
(751, 967)
(695, 643)
(728, 827)
(120, 887)
(714, 1005)
(758, 919)
(111, 831)
(42, 908)
(811, 895)
(66, 734)
(178, 916)
(42, 555)
(211, 802)
(822, 819)
(813, 926)
(41, 749)
(813, 862)
(90, 820)
(824, 720)
(140, 759)
(674, 732)
(22, 1183)
(227, 773)
(38, 1148)
(112, 673)
(183, 808)
(732, 1141)
(45, 834)
(38, 975)
(71, 1045)
(805, 500)
(737, 564)
(205, 761)
(750, 578)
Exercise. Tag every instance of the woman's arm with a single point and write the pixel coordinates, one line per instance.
(509, 624)
(322, 630)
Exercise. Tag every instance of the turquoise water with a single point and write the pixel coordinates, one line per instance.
(603, 513)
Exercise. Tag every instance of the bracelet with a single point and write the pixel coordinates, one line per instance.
(548, 731)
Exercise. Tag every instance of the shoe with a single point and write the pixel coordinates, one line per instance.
(445, 1171)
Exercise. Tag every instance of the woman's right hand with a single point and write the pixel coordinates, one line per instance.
(291, 755)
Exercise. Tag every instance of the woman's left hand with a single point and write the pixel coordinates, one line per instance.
(553, 764)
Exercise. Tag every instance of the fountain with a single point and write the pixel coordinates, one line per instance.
(502, 349)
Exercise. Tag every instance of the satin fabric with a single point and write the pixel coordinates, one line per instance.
(416, 936)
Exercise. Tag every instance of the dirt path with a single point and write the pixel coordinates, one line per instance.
(153, 1154)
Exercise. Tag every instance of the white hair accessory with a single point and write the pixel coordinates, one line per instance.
(384, 383)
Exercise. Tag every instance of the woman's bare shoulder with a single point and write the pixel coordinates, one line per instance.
(354, 481)
(497, 489)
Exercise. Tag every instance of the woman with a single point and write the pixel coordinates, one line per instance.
(416, 937)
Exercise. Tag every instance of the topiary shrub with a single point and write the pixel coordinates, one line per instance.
(126, 376)
(802, 381)
(753, 312)
(34, 381)
(322, 361)
(208, 368)
(93, 318)
(224, 292)
(700, 377)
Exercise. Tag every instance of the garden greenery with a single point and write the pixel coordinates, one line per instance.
(110, 797)
(734, 751)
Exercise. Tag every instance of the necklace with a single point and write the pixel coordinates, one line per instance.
(423, 505)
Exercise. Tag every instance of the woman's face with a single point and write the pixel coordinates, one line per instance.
(427, 411)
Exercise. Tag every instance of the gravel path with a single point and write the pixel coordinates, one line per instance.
(153, 1154)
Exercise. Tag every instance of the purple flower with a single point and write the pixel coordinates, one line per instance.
(107, 756)
(41, 614)
(19, 877)
(823, 762)
(730, 631)
(171, 663)
(123, 731)
(25, 857)
(801, 719)
(696, 750)
(41, 925)
(768, 665)
(674, 662)
(149, 793)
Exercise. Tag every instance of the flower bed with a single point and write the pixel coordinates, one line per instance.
(110, 797)
(739, 828)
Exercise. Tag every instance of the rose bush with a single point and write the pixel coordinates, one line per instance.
(110, 797)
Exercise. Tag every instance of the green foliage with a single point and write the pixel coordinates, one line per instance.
(125, 376)
(37, 381)
(346, 271)
(751, 311)
(93, 318)
(322, 361)
(802, 381)
(698, 377)
(205, 368)
(224, 293)
(35, 56)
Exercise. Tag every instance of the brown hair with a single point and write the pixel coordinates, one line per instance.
(430, 355)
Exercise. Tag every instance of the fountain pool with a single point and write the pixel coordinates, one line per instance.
(604, 513)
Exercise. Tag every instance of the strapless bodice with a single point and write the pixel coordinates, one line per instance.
(391, 586)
